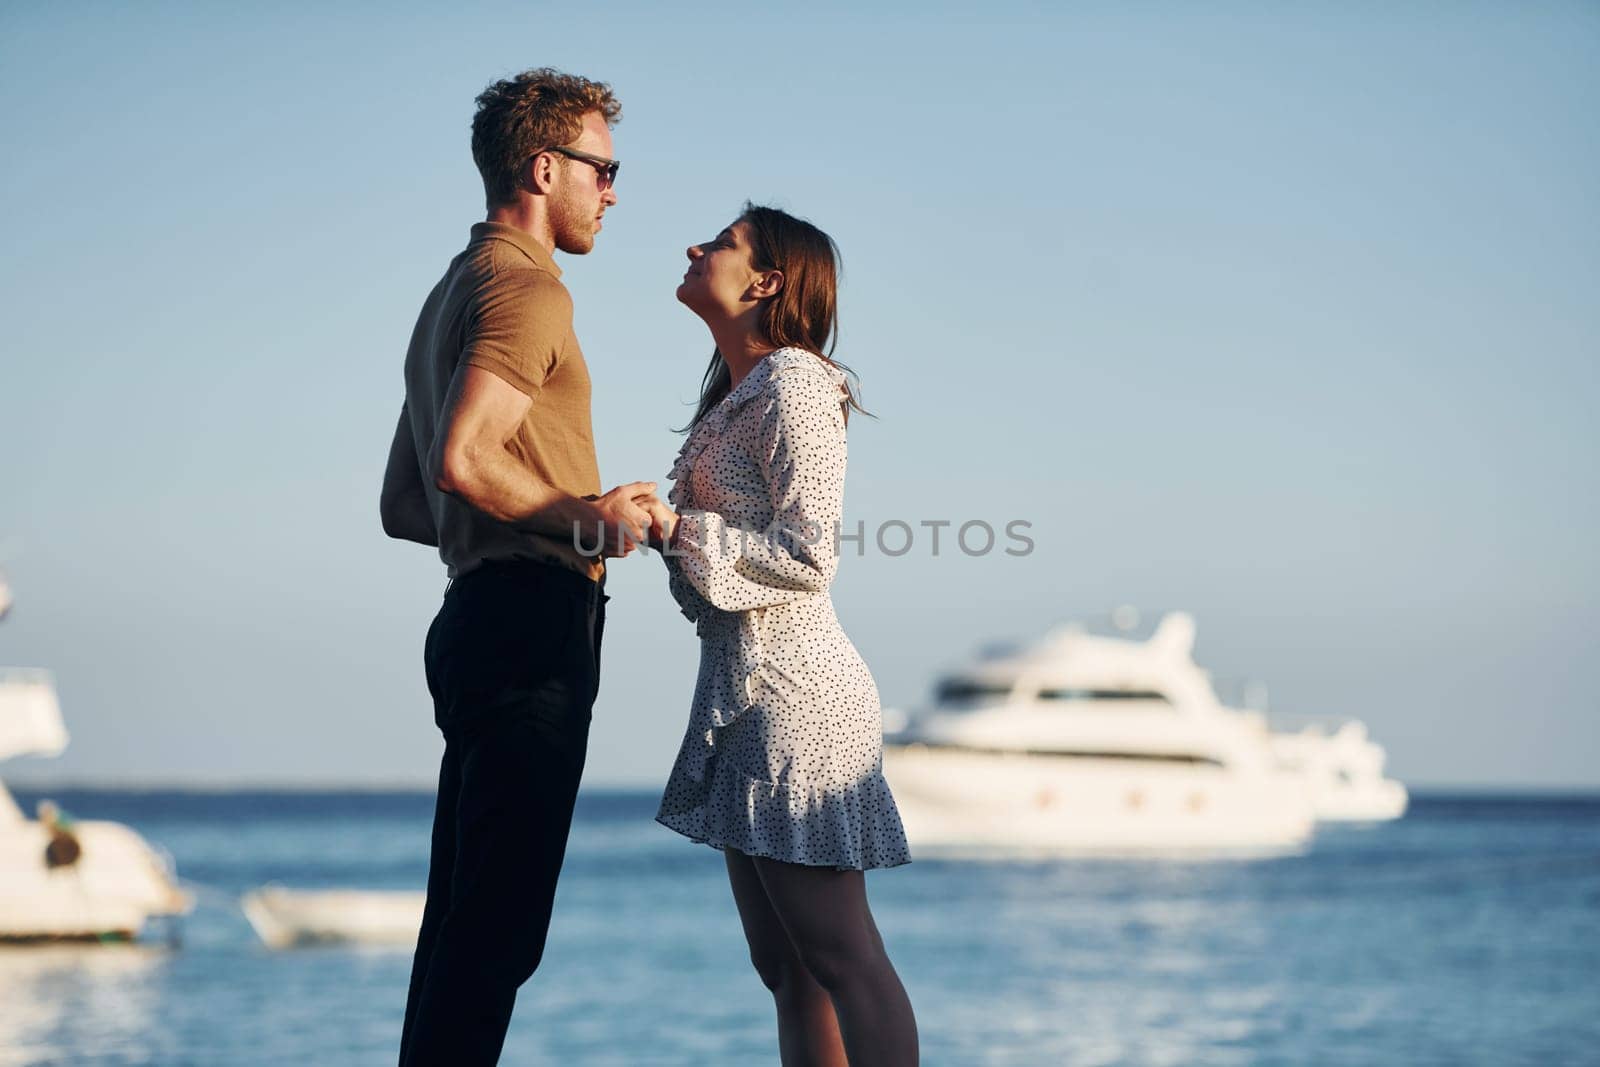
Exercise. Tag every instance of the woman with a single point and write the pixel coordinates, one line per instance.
(781, 767)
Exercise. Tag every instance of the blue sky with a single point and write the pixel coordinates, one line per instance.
(1283, 316)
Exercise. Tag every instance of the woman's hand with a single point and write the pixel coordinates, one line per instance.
(663, 522)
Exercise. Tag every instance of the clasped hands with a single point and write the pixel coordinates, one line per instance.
(632, 515)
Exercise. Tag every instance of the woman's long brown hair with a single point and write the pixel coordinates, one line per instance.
(803, 314)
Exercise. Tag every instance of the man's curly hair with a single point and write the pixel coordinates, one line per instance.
(519, 116)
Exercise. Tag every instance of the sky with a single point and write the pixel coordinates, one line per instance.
(1281, 315)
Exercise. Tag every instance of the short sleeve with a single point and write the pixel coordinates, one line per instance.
(517, 327)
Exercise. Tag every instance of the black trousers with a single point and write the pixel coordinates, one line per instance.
(513, 663)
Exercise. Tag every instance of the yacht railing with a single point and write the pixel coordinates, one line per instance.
(1293, 724)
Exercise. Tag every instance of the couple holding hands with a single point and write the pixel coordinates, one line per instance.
(493, 463)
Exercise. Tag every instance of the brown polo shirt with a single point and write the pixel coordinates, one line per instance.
(501, 306)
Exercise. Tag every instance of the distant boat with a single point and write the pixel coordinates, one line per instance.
(60, 880)
(1087, 742)
(284, 918)
(1343, 768)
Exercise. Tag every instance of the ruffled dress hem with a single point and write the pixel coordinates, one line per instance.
(846, 831)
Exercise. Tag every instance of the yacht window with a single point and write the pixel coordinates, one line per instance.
(1102, 694)
(966, 691)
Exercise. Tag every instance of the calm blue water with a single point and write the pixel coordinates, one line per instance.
(1467, 933)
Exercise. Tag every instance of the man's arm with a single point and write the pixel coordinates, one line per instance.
(403, 504)
(469, 461)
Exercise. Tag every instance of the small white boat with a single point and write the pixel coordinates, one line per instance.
(284, 918)
(88, 881)
(1343, 768)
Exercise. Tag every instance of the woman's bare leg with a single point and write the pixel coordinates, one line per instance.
(808, 1032)
(826, 916)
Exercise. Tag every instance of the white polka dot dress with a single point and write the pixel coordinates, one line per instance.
(783, 757)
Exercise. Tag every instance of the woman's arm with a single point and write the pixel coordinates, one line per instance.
(801, 453)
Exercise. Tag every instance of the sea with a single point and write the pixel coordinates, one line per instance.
(1467, 932)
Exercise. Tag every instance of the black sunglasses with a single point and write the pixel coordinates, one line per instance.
(607, 167)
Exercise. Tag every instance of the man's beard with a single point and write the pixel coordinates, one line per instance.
(573, 227)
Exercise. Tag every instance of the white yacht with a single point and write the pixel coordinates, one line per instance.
(1087, 742)
(90, 881)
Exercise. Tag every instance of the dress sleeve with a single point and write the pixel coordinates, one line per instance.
(690, 603)
(800, 448)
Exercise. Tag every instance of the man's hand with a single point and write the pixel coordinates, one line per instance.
(621, 520)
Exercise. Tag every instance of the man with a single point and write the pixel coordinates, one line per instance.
(493, 462)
